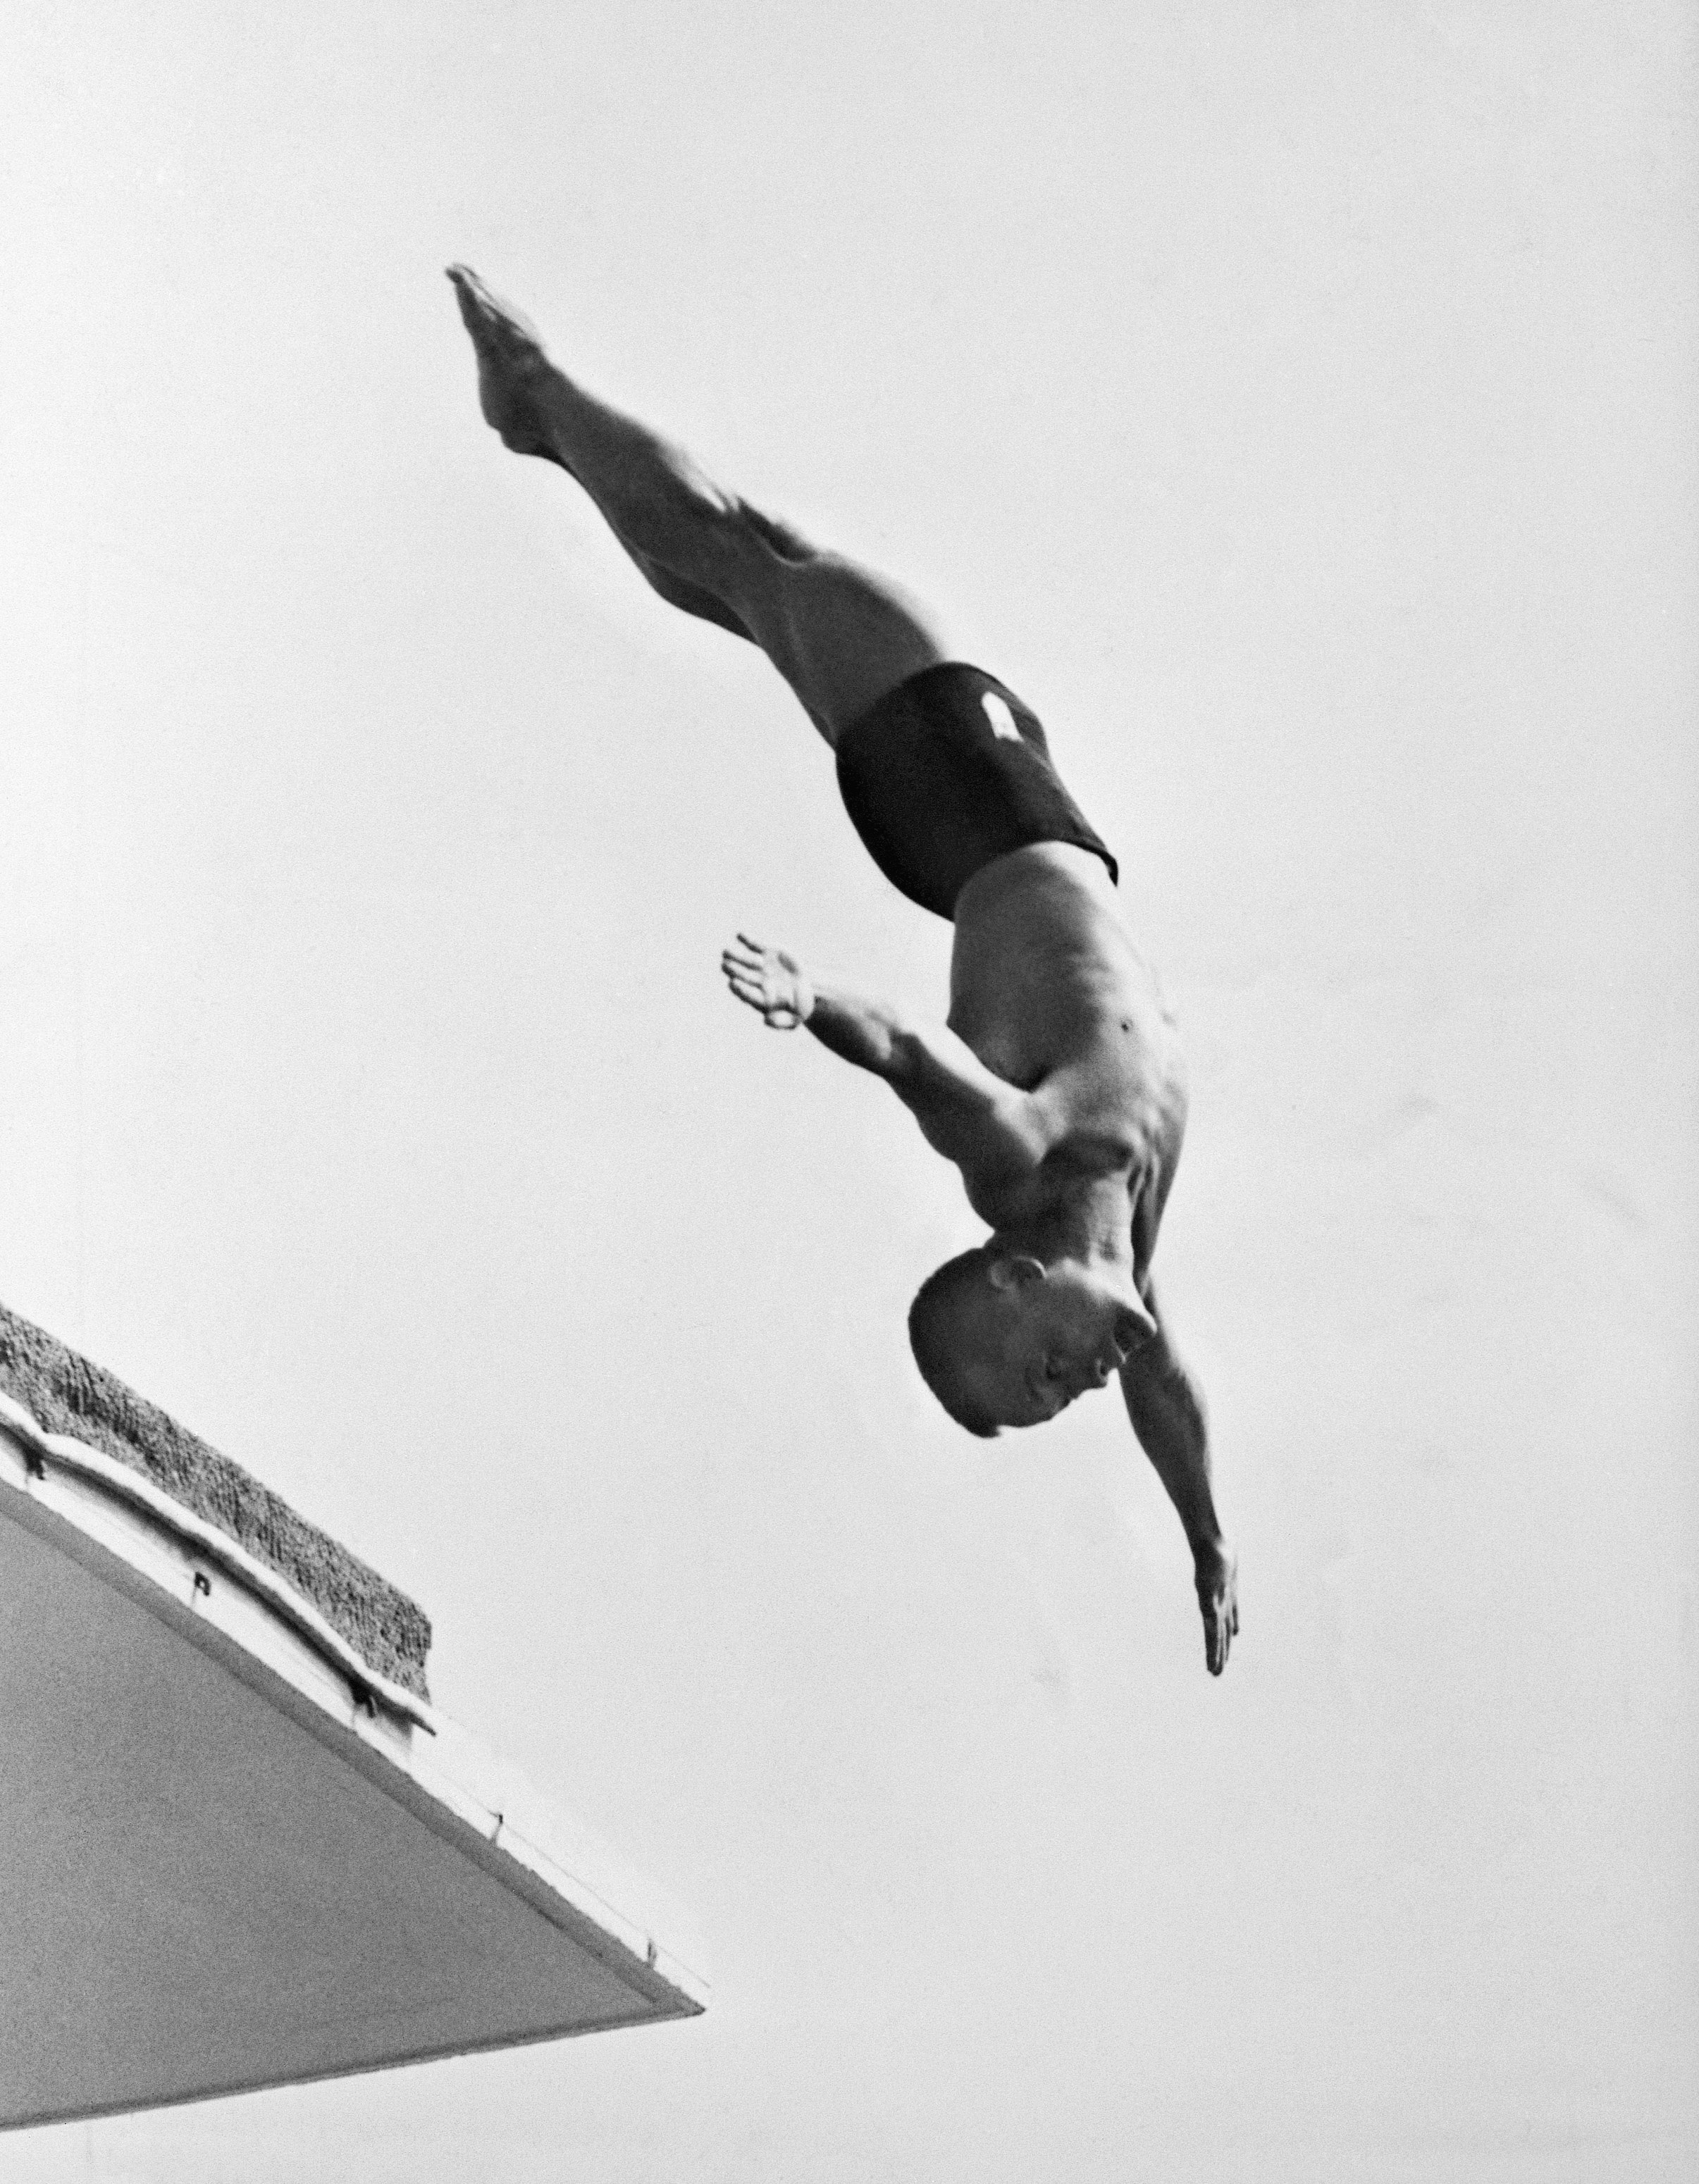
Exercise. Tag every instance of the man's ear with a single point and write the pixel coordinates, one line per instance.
(1014, 1270)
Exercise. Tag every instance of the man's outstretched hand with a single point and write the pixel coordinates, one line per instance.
(769, 981)
(1218, 1595)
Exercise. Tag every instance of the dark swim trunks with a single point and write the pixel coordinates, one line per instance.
(947, 771)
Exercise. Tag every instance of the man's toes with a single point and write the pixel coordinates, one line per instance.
(474, 297)
(467, 296)
(492, 324)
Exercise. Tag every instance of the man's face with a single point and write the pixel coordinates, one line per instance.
(1054, 1333)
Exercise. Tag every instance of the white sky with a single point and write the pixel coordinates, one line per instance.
(1296, 404)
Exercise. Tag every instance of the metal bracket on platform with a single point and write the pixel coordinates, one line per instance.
(373, 1695)
(18, 1425)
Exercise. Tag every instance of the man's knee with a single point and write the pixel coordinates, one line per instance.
(760, 566)
(747, 551)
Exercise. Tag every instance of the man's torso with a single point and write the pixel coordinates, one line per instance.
(1051, 994)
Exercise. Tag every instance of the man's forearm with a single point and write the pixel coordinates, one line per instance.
(1167, 1414)
(965, 1110)
(868, 1034)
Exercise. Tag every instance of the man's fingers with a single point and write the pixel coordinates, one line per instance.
(763, 979)
(1221, 1620)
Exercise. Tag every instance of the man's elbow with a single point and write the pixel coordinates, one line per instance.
(906, 1061)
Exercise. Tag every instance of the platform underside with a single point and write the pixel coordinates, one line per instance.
(222, 1866)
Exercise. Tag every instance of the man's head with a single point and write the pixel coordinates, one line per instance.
(1003, 1339)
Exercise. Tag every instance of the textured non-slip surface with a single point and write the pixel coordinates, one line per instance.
(65, 1394)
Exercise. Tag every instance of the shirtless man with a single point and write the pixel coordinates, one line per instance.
(1057, 1085)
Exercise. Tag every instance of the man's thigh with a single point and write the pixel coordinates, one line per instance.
(841, 635)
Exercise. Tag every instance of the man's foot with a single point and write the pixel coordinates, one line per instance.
(513, 369)
(1218, 1595)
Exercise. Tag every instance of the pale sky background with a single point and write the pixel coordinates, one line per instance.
(1296, 404)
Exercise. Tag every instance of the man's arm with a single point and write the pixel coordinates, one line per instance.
(965, 1110)
(1166, 1408)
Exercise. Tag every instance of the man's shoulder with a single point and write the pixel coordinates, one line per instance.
(1138, 1149)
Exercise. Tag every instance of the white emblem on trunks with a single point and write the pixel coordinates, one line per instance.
(1002, 719)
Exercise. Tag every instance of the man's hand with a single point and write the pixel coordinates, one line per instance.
(1218, 1595)
(768, 980)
